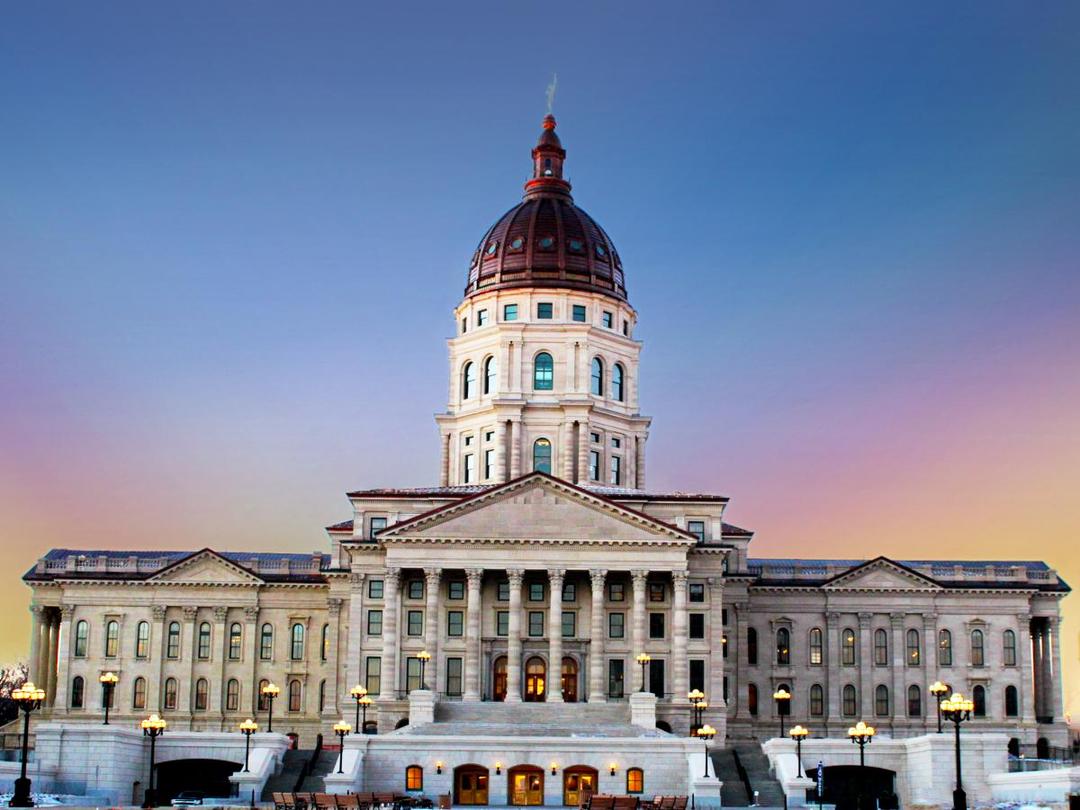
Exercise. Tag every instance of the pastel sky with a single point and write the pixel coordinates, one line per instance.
(231, 235)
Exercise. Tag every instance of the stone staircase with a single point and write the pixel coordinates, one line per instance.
(285, 781)
(756, 765)
(580, 714)
(324, 764)
(733, 790)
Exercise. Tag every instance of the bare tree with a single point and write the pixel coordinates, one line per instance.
(11, 677)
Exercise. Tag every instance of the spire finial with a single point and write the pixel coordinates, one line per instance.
(551, 93)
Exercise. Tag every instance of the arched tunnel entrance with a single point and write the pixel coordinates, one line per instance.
(208, 776)
(852, 786)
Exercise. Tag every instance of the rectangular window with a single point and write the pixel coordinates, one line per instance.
(510, 312)
(489, 464)
(626, 328)
(536, 592)
(723, 616)
(373, 675)
(453, 677)
(376, 525)
(616, 442)
(374, 622)
(412, 674)
(569, 624)
(536, 623)
(545, 311)
(724, 644)
(502, 622)
(656, 677)
(656, 625)
(594, 465)
(697, 592)
(697, 674)
(616, 625)
(455, 623)
(616, 471)
(697, 625)
(481, 317)
(464, 325)
(468, 441)
(470, 468)
(569, 592)
(594, 438)
(579, 313)
(415, 623)
(608, 320)
(375, 589)
(616, 592)
(615, 677)
(455, 590)
(503, 591)
(696, 528)
(415, 589)
(489, 436)
(657, 591)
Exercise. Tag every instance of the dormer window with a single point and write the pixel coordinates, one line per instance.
(575, 246)
(517, 244)
(491, 249)
(547, 167)
(546, 243)
(601, 252)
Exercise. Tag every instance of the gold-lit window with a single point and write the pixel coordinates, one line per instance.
(635, 780)
(414, 778)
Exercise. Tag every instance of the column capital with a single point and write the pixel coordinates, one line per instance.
(333, 605)
(67, 611)
(251, 613)
(433, 575)
(929, 617)
(897, 619)
(190, 613)
(515, 575)
(1025, 620)
(393, 574)
(833, 619)
(640, 575)
(679, 578)
(357, 578)
(597, 575)
(221, 613)
(475, 576)
(37, 610)
(158, 612)
(864, 619)
(556, 574)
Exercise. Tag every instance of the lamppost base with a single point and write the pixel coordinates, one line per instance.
(959, 799)
(150, 799)
(21, 796)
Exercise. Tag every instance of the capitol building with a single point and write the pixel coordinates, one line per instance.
(516, 598)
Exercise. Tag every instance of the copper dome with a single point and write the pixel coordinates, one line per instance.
(546, 240)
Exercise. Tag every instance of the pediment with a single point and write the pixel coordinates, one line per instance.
(206, 567)
(537, 508)
(881, 574)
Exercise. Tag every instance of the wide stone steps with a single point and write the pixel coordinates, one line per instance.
(315, 781)
(732, 791)
(761, 779)
(285, 781)
(568, 715)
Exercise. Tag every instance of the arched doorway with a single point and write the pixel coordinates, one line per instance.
(579, 783)
(525, 785)
(569, 680)
(535, 680)
(845, 784)
(470, 785)
(208, 776)
(498, 689)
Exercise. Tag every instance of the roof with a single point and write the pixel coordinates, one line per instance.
(611, 493)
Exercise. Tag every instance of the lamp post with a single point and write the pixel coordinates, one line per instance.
(29, 699)
(938, 690)
(342, 729)
(695, 696)
(643, 659)
(108, 682)
(957, 709)
(247, 728)
(862, 735)
(798, 734)
(701, 706)
(152, 727)
(783, 703)
(364, 702)
(424, 657)
(357, 693)
(269, 692)
(706, 733)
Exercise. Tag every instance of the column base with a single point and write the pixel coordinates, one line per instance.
(512, 698)
(595, 698)
(470, 697)
(554, 698)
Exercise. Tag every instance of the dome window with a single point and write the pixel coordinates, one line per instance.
(576, 246)
(491, 249)
(546, 243)
(601, 252)
(517, 244)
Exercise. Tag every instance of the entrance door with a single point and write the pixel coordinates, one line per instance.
(526, 785)
(535, 680)
(471, 785)
(579, 783)
(656, 677)
(569, 680)
(498, 691)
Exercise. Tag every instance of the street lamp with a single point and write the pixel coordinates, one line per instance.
(695, 696)
(938, 689)
(798, 734)
(247, 728)
(424, 657)
(342, 729)
(862, 735)
(358, 692)
(706, 733)
(108, 686)
(152, 727)
(364, 702)
(269, 692)
(957, 709)
(644, 660)
(701, 706)
(29, 699)
(783, 703)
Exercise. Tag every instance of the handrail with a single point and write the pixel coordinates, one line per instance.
(744, 777)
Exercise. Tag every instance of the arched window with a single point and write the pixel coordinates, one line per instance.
(202, 695)
(138, 693)
(324, 646)
(914, 701)
(236, 639)
(78, 692)
(468, 380)
(881, 648)
(170, 693)
(204, 641)
(817, 700)
(322, 695)
(751, 699)
(543, 372)
(849, 701)
(751, 646)
(635, 780)
(264, 702)
(414, 778)
(491, 374)
(597, 386)
(881, 701)
(294, 696)
(914, 649)
(1008, 644)
(783, 646)
(82, 635)
(112, 639)
(617, 374)
(978, 697)
(266, 642)
(172, 645)
(945, 648)
(232, 695)
(296, 643)
(1012, 701)
(142, 639)
(542, 456)
(815, 647)
(978, 656)
(847, 648)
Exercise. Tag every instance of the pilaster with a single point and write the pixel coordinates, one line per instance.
(513, 644)
(474, 579)
(555, 641)
(597, 693)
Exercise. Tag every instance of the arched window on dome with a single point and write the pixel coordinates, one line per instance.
(597, 376)
(617, 375)
(491, 372)
(468, 380)
(543, 372)
(542, 456)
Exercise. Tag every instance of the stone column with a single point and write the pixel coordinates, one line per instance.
(390, 678)
(221, 633)
(475, 578)
(513, 642)
(715, 694)
(566, 451)
(833, 712)
(680, 666)
(515, 448)
(444, 467)
(866, 667)
(1055, 680)
(354, 665)
(48, 681)
(899, 667)
(1042, 704)
(248, 697)
(742, 667)
(432, 577)
(597, 693)
(500, 452)
(37, 633)
(189, 632)
(639, 468)
(555, 585)
(930, 667)
(63, 658)
(333, 671)
(640, 578)
(583, 454)
(1025, 692)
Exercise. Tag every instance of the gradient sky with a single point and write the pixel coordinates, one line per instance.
(231, 236)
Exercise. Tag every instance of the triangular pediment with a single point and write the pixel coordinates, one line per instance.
(881, 574)
(206, 567)
(537, 508)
